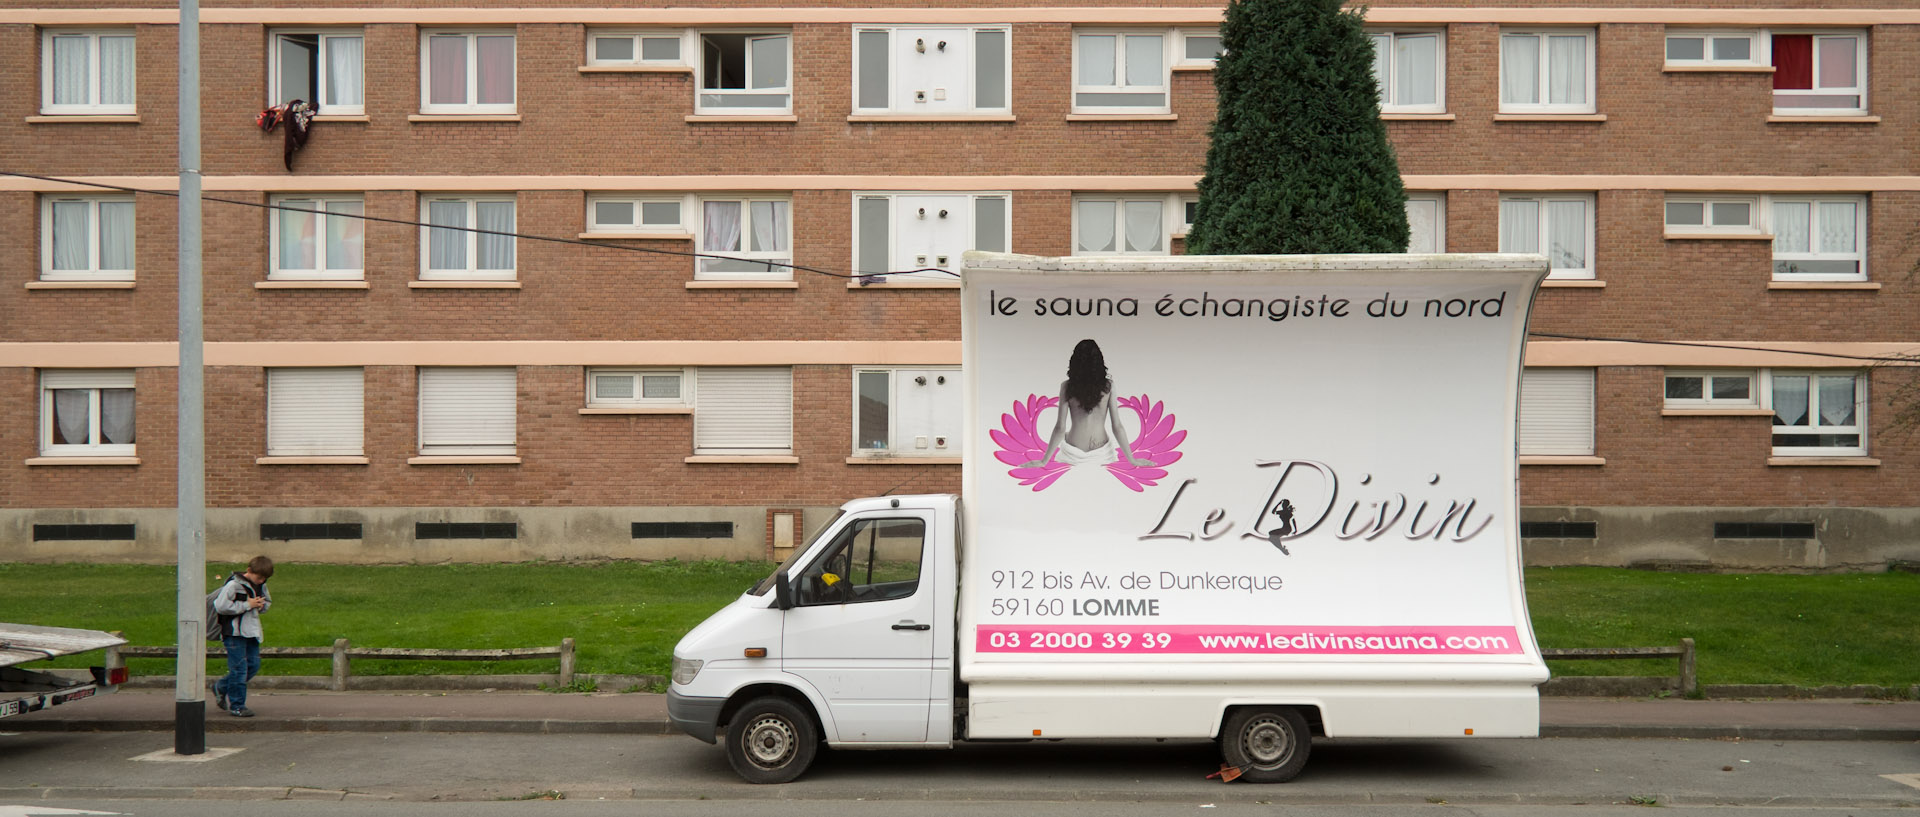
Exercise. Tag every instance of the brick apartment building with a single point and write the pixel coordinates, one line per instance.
(1741, 177)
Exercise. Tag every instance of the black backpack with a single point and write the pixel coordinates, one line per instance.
(217, 623)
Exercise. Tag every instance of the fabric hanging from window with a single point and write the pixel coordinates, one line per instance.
(1837, 63)
(770, 226)
(116, 70)
(1143, 226)
(346, 71)
(1414, 66)
(1421, 218)
(1567, 70)
(1519, 226)
(496, 251)
(1520, 69)
(447, 68)
(1836, 401)
(116, 416)
(71, 419)
(1567, 229)
(1382, 43)
(1792, 62)
(447, 249)
(722, 230)
(1145, 56)
(70, 70)
(346, 237)
(70, 227)
(1836, 227)
(1790, 228)
(1096, 226)
(116, 235)
(296, 235)
(1790, 400)
(496, 70)
(1097, 59)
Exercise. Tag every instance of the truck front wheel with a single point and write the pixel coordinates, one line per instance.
(1268, 744)
(770, 740)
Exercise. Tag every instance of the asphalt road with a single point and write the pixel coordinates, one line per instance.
(627, 808)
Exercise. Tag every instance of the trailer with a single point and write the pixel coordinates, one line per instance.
(23, 690)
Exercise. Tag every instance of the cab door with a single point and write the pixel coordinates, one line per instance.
(861, 629)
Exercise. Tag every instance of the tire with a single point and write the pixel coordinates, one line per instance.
(1269, 744)
(770, 740)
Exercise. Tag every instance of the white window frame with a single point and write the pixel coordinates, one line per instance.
(323, 74)
(973, 71)
(1708, 205)
(473, 105)
(701, 91)
(1757, 47)
(93, 106)
(472, 272)
(1437, 198)
(638, 38)
(1858, 255)
(1164, 89)
(1186, 224)
(638, 377)
(1544, 66)
(1388, 75)
(682, 227)
(320, 272)
(1172, 213)
(1180, 57)
(893, 414)
(1543, 231)
(333, 391)
(893, 241)
(93, 272)
(1534, 446)
(1707, 400)
(93, 381)
(707, 394)
(1859, 426)
(701, 273)
(1860, 66)
(466, 448)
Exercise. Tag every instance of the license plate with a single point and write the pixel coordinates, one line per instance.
(73, 696)
(12, 708)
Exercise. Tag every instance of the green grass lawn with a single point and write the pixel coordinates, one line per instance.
(625, 617)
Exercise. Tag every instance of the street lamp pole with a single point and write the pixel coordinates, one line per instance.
(189, 696)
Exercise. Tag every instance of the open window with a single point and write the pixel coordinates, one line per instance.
(745, 73)
(870, 560)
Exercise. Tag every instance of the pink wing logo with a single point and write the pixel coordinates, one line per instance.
(1159, 444)
(1021, 441)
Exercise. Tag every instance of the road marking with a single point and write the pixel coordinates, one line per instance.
(170, 756)
(43, 811)
(1905, 779)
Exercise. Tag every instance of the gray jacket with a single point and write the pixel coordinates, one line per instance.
(232, 601)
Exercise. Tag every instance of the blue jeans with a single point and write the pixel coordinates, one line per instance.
(243, 662)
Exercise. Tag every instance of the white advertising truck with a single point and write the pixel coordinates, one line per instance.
(1249, 499)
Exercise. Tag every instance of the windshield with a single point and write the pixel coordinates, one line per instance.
(767, 583)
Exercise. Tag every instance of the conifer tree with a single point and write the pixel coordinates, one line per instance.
(1299, 160)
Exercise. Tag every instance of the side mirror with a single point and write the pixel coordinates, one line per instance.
(782, 592)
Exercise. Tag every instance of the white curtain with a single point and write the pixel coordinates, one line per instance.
(1414, 69)
(346, 72)
(770, 226)
(70, 227)
(346, 237)
(1567, 70)
(70, 415)
(116, 70)
(722, 230)
(116, 416)
(447, 249)
(496, 251)
(1097, 59)
(1790, 228)
(1519, 226)
(1790, 400)
(1836, 401)
(1146, 54)
(1520, 68)
(1567, 234)
(1837, 227)
(1837, 61)
(296, 235)
(116, 235)
(1096, 226)
(1144, 227)
(1381, 66)
(447, 70)
(496, 70)
(1421, 218)
(70, 70)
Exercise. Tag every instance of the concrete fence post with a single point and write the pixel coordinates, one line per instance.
(566, 661)
(113, 660)
(1689, 681)
(340, 665)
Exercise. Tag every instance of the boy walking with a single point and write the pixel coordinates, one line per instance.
(239, 604)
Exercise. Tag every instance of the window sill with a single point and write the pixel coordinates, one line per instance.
(463, 460)
(463, 284)
(892, 460)
(1719, 236)
(640, 410)
(1777, 119)
(640, 236)
(1717, 69)
(310, 284)
(908, 118)
(1122, 117)
(1543, 459)
(743, 285)
(762, 459)
(84, 119)
(79, 285)
(1196, 67)
(1716, 412)
(1842, 462)
(883, 283)
(1549, 117)
(1862, 286)
(720, 118)
(310, 460)
(636, 69)
(1572, 283)
(342, 117)
(38, 461)
(1417, 117)
(463, 117)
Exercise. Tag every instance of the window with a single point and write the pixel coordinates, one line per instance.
(931, 70)
(309, 243)
(1199, 47)
(1189, 210)
(743, 73)
(1713, 49)
(1546, 72)
(324, 68)
(453, 250)
(86, 413)
(754, 235)
(1426, 222)
(86, 238)
(637, 214)
(315, 412)
(871, 560)
(1820, 74)
(1819, 238)
(1710, 390)
(627, 388)
(1122, 226)
(1712, 215)
(896, 232)
(86, 72)
(1410, 67)
(1120, 72)
(467, 72)
(1559, 227)
(743, 411)
(467, 411)
(1818, 413)
(907, 412)
(1556, 412)
(637, 48)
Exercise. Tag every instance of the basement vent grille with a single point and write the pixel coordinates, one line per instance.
(1763, 530)
(1559, 530)
(289, 531)
(466, 530)
(683, 530)
(82, 533)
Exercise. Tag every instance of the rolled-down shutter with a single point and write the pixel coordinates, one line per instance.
(466, 411)
(743, 411)
(315, 412)
(1556, 412)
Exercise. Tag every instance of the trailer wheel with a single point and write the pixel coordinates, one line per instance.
(770, 740)
(1269, 744)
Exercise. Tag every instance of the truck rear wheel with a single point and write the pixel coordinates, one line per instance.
(1268, 744)
(770, 740)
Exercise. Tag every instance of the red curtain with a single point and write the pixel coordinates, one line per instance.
(1792, 62)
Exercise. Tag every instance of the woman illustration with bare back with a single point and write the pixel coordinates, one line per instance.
(1086, 411)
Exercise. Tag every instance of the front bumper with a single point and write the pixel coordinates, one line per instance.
(699, 717)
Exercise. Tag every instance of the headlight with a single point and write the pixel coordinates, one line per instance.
(684, 669)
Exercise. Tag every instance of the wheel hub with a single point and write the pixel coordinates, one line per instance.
(1267, 742)
(770, 742)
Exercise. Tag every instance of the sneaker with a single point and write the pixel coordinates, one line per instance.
(241, 712)
(219, 698)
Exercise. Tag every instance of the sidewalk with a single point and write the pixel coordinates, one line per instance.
(646, 714)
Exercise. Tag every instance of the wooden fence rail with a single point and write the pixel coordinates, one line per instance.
(342, 652)
(1689, 680)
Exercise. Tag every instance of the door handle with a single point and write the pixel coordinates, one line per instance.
(908, 625)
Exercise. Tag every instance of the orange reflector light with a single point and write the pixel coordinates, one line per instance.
(117, 675)
(1036, 733)
(756, 652)
(1469, 731)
